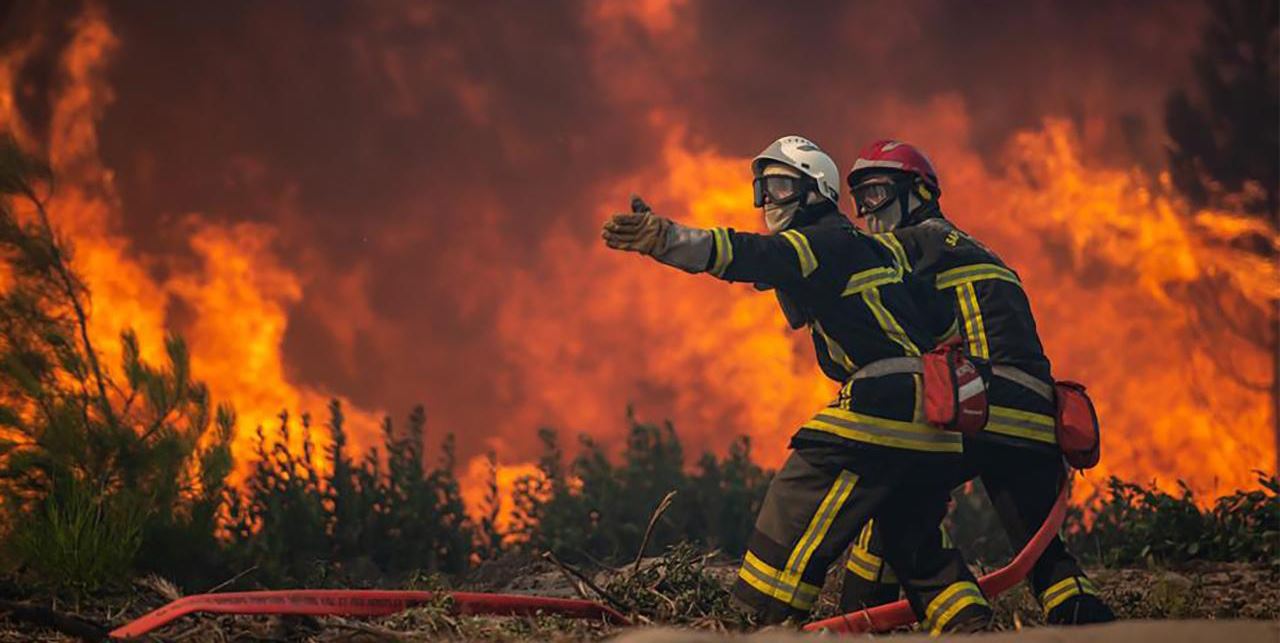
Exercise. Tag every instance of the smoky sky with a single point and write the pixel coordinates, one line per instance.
(395, 146)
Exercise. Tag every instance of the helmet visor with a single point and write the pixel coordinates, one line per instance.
(873, 194)
(778, 189)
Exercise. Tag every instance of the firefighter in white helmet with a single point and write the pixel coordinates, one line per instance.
(870, 452)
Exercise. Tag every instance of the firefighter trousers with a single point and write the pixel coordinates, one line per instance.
(820, 500)
(1023, 484)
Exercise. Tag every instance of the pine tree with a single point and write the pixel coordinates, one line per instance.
(92, 465)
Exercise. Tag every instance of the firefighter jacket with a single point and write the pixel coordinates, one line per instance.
(856, 301)
(994, 317)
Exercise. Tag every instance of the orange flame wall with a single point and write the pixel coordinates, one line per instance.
(408, 212)
(236, 288)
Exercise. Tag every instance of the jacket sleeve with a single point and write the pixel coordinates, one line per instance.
(780, 260)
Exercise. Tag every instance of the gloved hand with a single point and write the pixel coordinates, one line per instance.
(638, 231)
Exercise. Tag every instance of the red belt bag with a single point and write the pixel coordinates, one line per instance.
(1077, 425)
(955, 397)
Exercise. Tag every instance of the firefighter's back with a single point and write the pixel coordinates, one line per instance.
(995, 319)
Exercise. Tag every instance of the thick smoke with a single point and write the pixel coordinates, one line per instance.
(433, 174)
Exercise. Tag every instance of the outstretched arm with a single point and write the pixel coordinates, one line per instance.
(683, 247)
(776, 260)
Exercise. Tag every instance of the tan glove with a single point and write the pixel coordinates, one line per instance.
(638, 231)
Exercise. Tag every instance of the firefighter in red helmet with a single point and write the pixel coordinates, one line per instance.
(895, 191)
(870, 452)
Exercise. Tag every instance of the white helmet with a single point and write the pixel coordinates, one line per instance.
(806, 157)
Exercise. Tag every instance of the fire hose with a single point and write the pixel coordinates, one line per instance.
(374, 602)
(361, 602)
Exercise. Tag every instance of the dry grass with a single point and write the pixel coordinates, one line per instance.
(684, 588)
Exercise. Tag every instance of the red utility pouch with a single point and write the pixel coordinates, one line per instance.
(955, 397)
(1077, 426)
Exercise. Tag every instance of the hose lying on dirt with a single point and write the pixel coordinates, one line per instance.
(374, 602)
(366, 602)
(894, 615)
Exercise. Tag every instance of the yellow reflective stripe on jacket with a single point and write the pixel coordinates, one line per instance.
(916, 436)
(974, 328)
(724, 251)
(834, 349)
(871, 278)
(820, 524)
(917, 408)
(888, 323)
(1064, 589)
(808, 261)
(890, 241)
(946, 605)
(777, 584)
(867, 283)
(977, 272)
(1022, 424)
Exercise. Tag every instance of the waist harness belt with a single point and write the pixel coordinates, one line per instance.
(1025, 379)
(889, 366)
(955, 397)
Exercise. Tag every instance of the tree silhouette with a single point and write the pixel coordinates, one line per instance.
(1225, 139)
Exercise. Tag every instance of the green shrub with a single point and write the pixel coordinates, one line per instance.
(593, 509)
(1132, 524)
(377, 520)
(80, 538)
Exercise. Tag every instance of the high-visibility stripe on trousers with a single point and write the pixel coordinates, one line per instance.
(1064, 589)
(1021, 484)
(816, 504)
(950, 603)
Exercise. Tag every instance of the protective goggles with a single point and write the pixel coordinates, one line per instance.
(778, 189)
(875, 193)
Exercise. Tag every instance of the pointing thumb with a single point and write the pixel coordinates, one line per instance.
(638, 205)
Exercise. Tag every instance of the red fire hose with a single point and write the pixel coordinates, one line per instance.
(366, 602)
(899, 614)
(376, 602)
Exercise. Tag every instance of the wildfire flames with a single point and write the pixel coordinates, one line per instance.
(1127, 283)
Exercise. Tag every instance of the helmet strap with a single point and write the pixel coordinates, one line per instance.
(904, 202)
(807, 212)
(912, 205)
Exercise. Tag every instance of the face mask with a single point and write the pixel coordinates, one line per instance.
(880, 201)
(779, 192)
(778, 217)
(884, 220)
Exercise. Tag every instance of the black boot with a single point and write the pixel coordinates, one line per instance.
(974, 618)
(859, 593)
(1080, 609)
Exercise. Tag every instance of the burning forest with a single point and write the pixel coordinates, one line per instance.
(242, 241)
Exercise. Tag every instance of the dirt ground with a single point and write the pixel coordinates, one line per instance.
(1218, 602)
(1126, 631)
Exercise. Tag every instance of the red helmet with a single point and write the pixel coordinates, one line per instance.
(889, 154)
